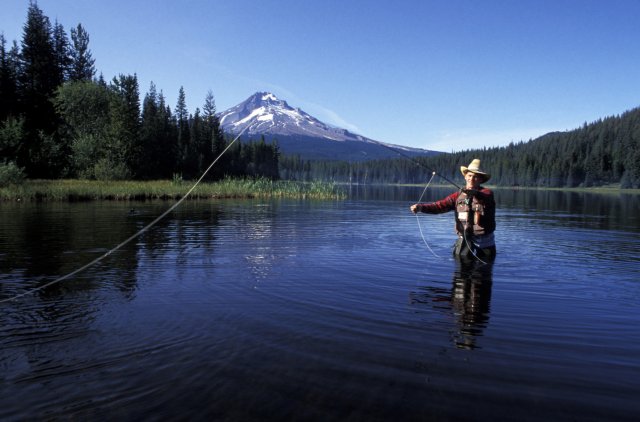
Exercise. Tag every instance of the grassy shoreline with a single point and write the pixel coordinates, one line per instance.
(91, 190)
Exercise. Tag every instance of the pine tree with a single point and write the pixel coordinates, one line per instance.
(158, 137)
(82, 63)
(194, 163)
(41, 154)
(182, 123)
(150, 132)
(124, 147)
(169, 140)
(62, 54)
(8, 80)
(215, 135)
(11, 124)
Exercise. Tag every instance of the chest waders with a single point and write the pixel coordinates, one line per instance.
(468, 215)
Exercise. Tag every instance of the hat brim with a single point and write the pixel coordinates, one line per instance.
(465, 170)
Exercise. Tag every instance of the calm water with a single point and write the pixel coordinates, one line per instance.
(305, 310)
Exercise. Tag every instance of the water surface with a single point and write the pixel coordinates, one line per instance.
(247, 310)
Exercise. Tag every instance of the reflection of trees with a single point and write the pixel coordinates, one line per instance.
(468, 300)
(601, 211)
(45, 241)
(193, 225)
(42, 242)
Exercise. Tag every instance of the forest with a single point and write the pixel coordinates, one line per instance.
(603, 153)
(58, 120)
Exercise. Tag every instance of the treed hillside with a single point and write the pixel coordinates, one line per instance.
(600, 153)
(58, 120)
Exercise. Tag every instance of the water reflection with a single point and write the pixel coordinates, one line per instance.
(613, 211)
(470, 299)
(172, 326)
(603, 211)
(467, 300)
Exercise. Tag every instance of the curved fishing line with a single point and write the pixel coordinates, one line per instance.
(442, 177)
(142, 230)
(424, 239)
(473, 252)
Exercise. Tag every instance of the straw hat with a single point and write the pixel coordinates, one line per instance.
(474, 168)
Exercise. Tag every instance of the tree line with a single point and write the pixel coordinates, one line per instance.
(603, 152)
(57, 119)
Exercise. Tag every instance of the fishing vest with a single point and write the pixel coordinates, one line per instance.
(472, 216)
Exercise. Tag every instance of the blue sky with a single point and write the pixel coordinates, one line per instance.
(441, 75)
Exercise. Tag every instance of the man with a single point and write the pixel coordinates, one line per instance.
(475, 211)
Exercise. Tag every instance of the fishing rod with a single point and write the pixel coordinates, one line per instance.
(421, 165)
(466, 241)
(433, 174)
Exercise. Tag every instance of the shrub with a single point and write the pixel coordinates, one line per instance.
(107, 170)
(11, 174)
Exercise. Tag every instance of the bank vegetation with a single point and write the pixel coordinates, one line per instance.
(88, 190)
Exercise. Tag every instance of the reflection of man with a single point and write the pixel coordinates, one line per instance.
(470, 298)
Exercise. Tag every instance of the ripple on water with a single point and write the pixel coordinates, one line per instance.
(306, 309)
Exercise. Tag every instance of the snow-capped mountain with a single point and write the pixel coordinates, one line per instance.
(297, 132)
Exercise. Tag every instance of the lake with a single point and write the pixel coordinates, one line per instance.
(320, 310)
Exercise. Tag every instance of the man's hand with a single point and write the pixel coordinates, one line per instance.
(414, 208)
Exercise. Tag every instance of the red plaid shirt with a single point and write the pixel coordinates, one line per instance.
(486, 223)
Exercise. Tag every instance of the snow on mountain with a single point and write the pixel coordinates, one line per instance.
(298, 132)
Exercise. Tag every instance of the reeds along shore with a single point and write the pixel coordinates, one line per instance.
(88, 190)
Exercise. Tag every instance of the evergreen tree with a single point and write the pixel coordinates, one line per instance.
(170, 138)
(214, 132)
(62, 54)
(82, 63)
(182, 124)
(8, 80)
(158, 136)
(124, 149)
(150, 133)
(101, 80)
(194, 159)
(42, 155)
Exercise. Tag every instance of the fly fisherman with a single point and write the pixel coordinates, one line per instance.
(475, 211)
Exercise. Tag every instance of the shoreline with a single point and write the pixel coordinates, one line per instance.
(595, 189)
(75, 190)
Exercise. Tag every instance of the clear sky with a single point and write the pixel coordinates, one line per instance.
(442, 75)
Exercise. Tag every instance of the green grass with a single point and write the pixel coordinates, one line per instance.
(87, 190)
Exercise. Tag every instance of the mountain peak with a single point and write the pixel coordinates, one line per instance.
(264, 114)
(267, 96)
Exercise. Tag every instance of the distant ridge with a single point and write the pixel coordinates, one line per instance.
(297, 132)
